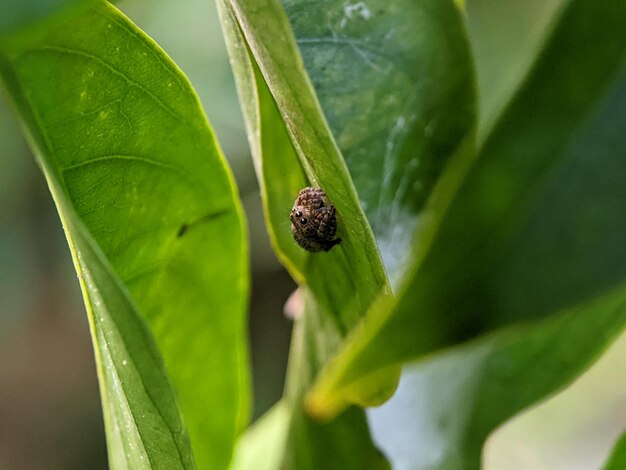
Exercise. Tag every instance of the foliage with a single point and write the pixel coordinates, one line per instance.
(163, 211)
(479, 202)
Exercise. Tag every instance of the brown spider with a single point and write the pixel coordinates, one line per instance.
(313, 221)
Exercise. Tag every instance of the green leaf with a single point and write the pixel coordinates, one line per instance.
(386, 137)
(396, 84)
(344, 442)
(415, 122)
(617, 460)
(446, 407)
(400, 105)
(347, 279)
(143, 424)
(404, 144)
(124, 134)
(535, 227)
(286, 437)
(280, 176)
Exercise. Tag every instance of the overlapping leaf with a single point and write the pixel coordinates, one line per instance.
(388, 96)
(344, 442)
(566, 253)
(446, 407)
(122, 131)
(347, 279)
(534, 228)
(396, 84)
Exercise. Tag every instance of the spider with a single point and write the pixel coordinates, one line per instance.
(313, 221)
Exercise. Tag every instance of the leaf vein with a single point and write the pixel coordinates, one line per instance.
(132, 158)
(115, 71)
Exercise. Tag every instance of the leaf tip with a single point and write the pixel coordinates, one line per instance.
(321, 407)
(325, 401)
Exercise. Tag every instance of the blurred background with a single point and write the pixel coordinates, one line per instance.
(50, 414)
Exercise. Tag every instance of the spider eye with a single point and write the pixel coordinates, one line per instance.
(298, 214)
(303, 221)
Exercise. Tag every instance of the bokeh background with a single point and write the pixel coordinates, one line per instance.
(50, 414)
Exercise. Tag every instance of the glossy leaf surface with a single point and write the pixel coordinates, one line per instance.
(446, 407)
(143, 423)
(347, 279)
(455, 400)
(123, 131)
(411, 136)
(396, 84)
(520, 240)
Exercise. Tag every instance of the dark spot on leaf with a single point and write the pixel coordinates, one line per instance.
(195, 223)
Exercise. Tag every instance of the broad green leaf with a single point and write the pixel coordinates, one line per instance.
(446, 407)
(523, 27)
(394, 115)
(617, 460)
(396, 84)
(122, 128)
(16, 15)
(426, 112)
(535, 227)
(346, 280)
